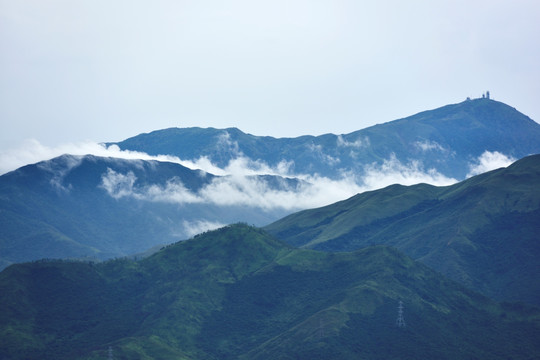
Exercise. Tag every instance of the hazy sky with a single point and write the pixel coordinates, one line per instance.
(74, 70)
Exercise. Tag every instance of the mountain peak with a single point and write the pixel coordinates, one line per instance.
(446, 140)
(238, 249)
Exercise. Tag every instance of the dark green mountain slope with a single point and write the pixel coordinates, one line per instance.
(483, 232)
(236, 293)
(446, 139)
(87, 206)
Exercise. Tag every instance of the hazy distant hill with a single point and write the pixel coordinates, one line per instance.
(447, 139)
(483, 232)
(237, 293)
(87, 206)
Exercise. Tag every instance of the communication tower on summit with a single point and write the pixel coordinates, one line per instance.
(400, 321)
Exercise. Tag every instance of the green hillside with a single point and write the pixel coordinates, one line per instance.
(483, 232)
(237, 293)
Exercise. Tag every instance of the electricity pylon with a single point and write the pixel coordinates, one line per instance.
(400, 321)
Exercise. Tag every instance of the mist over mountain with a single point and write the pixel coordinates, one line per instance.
(238, 293)
(93, 207)
(88, 206)
(451, 142)
(482, 232)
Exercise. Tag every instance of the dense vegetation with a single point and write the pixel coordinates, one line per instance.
(482, 232)
(238, 293)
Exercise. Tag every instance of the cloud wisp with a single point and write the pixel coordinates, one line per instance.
(192, 228)
(32, 151)
(489, 161)
(427, 145)
(393, 171)
(237, 189)
(360, 142)
(237, 183)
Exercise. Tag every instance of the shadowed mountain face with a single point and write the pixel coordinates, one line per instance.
(237, 293)
(483, 232)
(86, 206)
(448, 140)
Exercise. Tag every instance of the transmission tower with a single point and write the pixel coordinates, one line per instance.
(109, 353)
(400, 321)
(321, 329)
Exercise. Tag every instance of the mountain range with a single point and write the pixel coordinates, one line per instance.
(483, 232)
(397, 272)
(99, 208)
(447, 140)
(237, 293)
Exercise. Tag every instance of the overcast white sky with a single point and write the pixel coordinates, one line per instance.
(105, 70)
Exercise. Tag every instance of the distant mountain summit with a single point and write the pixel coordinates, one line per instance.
(448, 140)
(483, 232)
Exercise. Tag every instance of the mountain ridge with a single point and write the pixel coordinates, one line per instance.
(447, 139)
(237, 292)
(487, 224)
(95, 207)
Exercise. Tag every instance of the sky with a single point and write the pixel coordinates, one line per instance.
(87, 71)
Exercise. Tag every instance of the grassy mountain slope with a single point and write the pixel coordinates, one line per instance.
(447, 139)
(87, 206)
(238, 293)
(482, 232)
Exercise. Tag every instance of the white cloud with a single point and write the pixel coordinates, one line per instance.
(243, 166)
(360, 142)
(489, 161)
(118, 185)
(427, 145)
(237, 185)
(59, 171)
(192, 228)
(318, 150)
(392, 171)
(225, 143)
(254, 192)
(173, 192)
(204, 164)
(32, 151)
(251, 191)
